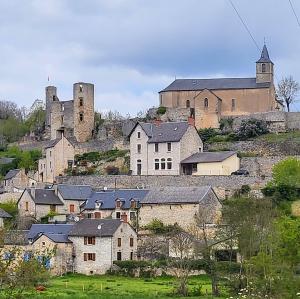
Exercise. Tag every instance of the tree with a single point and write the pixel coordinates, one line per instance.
(287, 91)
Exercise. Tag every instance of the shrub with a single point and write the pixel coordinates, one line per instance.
(207, 133)
(112, 170)
(158, 227)
(161, 110)
(251, 128)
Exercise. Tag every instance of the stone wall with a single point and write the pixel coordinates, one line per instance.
(222, 184)
(172, 114)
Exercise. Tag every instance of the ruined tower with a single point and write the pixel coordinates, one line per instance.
(51, 95)
(264, 67)
(83, 96)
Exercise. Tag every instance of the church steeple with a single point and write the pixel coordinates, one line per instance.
(264, 67)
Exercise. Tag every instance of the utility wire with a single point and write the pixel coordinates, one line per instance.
(294, 11)
(245, 25)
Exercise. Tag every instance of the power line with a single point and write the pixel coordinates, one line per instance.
(295, 14)
(245, 25)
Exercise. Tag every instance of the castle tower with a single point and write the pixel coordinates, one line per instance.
(83, 95)
(264, 67)
(51, 95)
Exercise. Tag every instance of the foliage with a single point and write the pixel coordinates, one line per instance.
(156, 226)
(161, 110)
(226, 125)
(108, 156)
(251, 128)
(112, 170)
(11, 208)
(35, 121)
(207, 133)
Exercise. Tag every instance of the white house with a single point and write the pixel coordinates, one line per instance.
(158, 148)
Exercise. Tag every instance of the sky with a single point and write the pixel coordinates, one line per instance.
(132, 49)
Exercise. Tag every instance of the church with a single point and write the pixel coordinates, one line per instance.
(211, 99)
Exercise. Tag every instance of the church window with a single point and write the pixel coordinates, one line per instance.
(188, 104)
(263, 68)
(232, 104)
(80, 101)
(206, 103)
(81, 116)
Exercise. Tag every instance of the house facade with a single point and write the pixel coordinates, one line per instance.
(158, 149)
(99, 242)
(211, 99)
(15, 180)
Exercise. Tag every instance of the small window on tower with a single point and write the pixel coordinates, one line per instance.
(232, 104)
(54, 98)
(80, 88)
(263, 68)
(206, 103)
(81, 116)
(80, 101)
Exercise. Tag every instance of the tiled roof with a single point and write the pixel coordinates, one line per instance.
(208, 157)
(215, 84)
(4, 214)
(44, 196)
(95, 227)
(108, 198)
(11, 174)
(74, 192)
(176, 195)
(165, 131)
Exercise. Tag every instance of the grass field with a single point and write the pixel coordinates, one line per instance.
(80, 286)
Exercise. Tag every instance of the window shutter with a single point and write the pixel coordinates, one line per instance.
(94, 241)
(85, 240)
(94, 256)
(85, 256)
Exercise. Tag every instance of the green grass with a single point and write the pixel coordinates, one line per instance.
(80, 286)
(281, 137)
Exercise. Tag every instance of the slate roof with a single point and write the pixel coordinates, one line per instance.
(264, 58)
(108, 198)
(16, 237)
(4, 214)
(165, 131)
(52, 143)
(89, 227)
(215, 84)
(75, 192)
(176, 195)
(11, 174)
(56, 232)
(208, 157)
(44, 196)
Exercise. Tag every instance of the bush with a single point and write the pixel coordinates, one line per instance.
(251, 128)
(112, 170)
(207, 133)
(156, 226)
(161, 110)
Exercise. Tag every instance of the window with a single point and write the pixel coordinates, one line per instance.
(50, 153)
(89, 256)
(169, 163)
(206, 103)
(169, 145)
(119, 242)
(131, 242)
(156, 164)
(80, 101)
(163, 163)
(139, 148)
(97, 215)
(50, 165)
(43, 243)
(118, 203)
(89, 215)
(52, 208)
(131, 255)
(81, 116)
(118, 215)
(132, 204)
(132, 216)
(263, 68)
(195, 168)
(119, 256)
(80, 88)
(62, 107)
(72, 208)
(54, 98)
(138, 134)
(139, 167)
(26, 206)
(156, 147)
(188, 104)
(232, 104)
(89, 240)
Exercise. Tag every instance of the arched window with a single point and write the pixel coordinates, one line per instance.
(188, 104)
(156, 164)
(81, 116)
(80, 101)
(80, 88)
(206, 103)
(163, 163)
(263, 68)
(169, 163)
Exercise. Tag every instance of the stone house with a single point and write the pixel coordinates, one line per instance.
(99, 242)
(211, 163)
(3, 215)
(158, 149)
(38, 203)
(15, 180)
(59, 156)
(121, 204)
(73, 196)
(179, 205)
(208, 100)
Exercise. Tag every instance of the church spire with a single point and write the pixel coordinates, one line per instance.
(264, 67)
(264, 58)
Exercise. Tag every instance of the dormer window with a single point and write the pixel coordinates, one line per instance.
(97, 204)
(132, 204)
(118, 203)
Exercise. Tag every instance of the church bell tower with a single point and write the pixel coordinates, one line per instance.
(264, 67)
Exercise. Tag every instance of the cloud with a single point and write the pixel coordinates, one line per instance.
(132, 49)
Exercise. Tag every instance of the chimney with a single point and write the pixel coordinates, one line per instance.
(157, 122)
(191, 121)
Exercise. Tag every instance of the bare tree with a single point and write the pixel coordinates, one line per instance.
(287, 91)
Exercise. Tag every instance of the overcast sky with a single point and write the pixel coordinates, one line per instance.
(131, 49)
